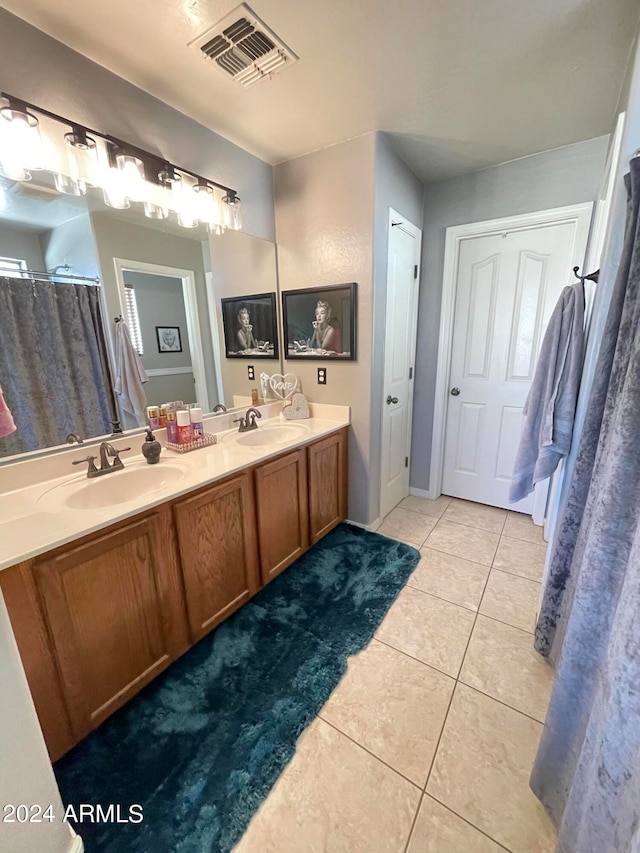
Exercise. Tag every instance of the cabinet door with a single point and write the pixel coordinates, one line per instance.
(327, 484)
(112, 618)
(217, 539)
(283, 512)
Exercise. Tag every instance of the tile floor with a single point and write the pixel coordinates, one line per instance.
(427, 743)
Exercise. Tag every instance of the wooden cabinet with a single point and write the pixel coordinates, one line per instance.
(327, 484)
(283, 512)
(218, 549)
(97, 619)
(113, 619)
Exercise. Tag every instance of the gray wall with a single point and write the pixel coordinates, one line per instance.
(395, 187)
(72, 243)
(324, 227)
(563, 176)
(23, 245)
(160, 302)
(117, 238)
(37, 68)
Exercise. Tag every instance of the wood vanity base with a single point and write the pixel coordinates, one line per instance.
(97, 619)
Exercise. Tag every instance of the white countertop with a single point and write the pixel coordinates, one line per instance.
(35, 517)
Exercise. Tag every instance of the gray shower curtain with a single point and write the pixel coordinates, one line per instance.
(54, 368)
(587, 771)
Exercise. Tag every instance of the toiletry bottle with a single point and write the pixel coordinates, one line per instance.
(151, 448)
(172, 428)
(254, 397)
(185, 431)
(153, 416)
(197, 425)
(162, 417)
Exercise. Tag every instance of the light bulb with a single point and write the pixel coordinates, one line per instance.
(82, 154)
(115, 190)
(132, 170)
(20, 143)
(232, 211)
(157, 204)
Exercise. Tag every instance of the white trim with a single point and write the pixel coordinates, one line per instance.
(370, 527)
(415, 232)
(420, 493)
(168, 371)
(577, 213)
(191, 309)
(215, 334)
(76, 845)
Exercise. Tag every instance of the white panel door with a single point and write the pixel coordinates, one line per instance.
(507, 287)
(399, 353)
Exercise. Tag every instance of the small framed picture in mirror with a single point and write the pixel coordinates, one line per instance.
(169, 339)
(250, 326)
(320, 322)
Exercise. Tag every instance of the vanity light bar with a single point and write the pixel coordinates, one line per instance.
(85, 157)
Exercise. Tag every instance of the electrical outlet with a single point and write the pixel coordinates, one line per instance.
(322, 376)
(251, 371)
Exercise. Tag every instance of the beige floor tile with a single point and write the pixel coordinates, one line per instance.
(333, 796)
(476, 515)
(439, 830)
(412, 527)
(425, 506)
(429, 629)
(511, 599)
(394, 706)
(479, 546)
(452, 578)
(502, 662)
(520, 558)
(482, 769)
(520, 526)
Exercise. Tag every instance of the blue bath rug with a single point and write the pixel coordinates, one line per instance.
(202, 745)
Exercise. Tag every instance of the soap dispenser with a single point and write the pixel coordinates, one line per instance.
(151, 448)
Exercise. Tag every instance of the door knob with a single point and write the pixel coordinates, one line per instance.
(391, 400)
(455, 392)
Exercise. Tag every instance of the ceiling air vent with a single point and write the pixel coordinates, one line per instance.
(244, 47)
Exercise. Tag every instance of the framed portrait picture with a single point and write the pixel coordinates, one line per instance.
(169, 339)
(250, 326)
(320, 322)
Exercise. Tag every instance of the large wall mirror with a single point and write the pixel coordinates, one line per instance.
(58, 332)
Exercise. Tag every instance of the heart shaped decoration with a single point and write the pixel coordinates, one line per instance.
(283, 386)
(298, 408)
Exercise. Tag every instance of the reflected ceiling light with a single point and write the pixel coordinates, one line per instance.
(83, 158)
(232, 211)
(20, 142)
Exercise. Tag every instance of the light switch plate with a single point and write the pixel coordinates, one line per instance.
(322, 376)
(251, 371)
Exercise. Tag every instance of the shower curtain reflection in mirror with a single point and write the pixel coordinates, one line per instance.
(54, 368)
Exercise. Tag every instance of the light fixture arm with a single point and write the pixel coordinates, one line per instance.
(154, 163)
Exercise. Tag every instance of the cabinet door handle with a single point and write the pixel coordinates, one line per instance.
(391, 400)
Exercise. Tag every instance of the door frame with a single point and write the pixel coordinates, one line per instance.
(188, 279)
(397, 220)
(580, 214)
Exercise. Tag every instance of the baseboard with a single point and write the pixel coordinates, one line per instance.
(370, 527)
(76, 845)
(423, 493)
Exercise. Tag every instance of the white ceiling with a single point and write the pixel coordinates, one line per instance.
(459, 84)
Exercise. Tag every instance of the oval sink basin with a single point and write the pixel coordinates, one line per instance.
(115, 488)
(268, 435)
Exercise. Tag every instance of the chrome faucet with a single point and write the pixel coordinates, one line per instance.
(248, 421)
(106, 451)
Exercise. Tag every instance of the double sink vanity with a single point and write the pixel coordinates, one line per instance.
(109, 580)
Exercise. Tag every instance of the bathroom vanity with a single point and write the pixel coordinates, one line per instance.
(108, 581)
